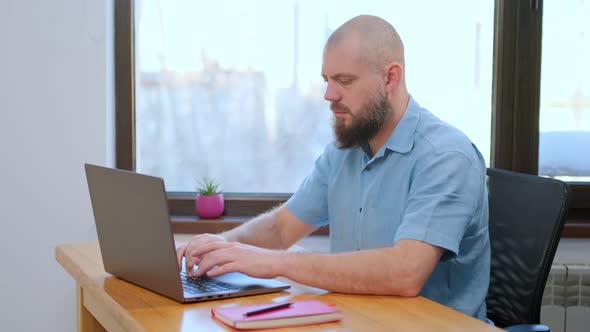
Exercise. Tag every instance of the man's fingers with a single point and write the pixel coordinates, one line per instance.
(211, 260)
(196, 261)
(179, 253)
(194, 251)
(223, 269)
(189, 264)
(209, 247)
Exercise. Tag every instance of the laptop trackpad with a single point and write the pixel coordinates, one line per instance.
(241, 280)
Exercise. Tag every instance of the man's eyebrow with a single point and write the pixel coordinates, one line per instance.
(340, 76)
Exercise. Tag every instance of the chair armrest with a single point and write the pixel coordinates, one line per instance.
(528, 328)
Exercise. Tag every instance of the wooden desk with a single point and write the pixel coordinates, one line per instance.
(104, 300)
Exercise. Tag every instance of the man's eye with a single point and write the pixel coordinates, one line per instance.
(345, 82)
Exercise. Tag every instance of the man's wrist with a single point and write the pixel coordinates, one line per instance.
(286, 263)
(226, 237)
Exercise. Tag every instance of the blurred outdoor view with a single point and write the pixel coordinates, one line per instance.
(232, 89)
(564, 142)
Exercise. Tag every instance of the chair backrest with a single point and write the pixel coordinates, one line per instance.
(527, 214)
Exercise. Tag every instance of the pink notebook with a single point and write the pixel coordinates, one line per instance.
(299, 313)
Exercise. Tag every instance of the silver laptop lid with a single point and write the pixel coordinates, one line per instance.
(133, 226)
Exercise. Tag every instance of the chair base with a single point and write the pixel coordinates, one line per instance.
(528, 328)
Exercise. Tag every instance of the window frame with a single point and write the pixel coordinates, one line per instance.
(516, 97)
(515, 113)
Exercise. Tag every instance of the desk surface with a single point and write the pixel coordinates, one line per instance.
(121, 306)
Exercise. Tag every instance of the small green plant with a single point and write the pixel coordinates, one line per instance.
(208, 187)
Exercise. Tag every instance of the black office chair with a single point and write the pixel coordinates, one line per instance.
(527, 214)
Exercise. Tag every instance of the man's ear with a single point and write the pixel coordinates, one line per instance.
(393, 78)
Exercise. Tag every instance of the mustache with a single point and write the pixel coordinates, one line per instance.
(337, 107)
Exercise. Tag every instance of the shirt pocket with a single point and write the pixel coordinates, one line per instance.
(379, 227)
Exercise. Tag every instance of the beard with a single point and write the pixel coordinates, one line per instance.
(364, 125)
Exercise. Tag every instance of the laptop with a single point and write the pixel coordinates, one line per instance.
(136, 242)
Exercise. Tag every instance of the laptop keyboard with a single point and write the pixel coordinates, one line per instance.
(204, 284)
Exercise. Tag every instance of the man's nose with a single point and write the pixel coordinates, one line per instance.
(331, 93)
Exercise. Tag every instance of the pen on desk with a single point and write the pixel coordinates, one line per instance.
(273, 308)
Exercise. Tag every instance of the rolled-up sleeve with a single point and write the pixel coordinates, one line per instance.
(444, 195)
(310, 203)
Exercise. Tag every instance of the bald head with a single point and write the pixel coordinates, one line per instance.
(378, 42)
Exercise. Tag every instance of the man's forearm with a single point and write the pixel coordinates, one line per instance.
(382, 271)
(262, 231)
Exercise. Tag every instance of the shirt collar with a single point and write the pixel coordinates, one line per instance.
(402, 138)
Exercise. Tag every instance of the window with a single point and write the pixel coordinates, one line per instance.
(564, 126)
(243, 102)
(239, 102)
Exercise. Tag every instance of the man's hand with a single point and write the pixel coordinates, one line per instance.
(222, 257)
(196, 244)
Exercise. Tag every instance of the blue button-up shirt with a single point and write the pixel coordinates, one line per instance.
(426, 183)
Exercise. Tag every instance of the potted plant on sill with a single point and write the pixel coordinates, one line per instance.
(209, 201)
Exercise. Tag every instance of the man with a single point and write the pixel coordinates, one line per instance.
(403, 192)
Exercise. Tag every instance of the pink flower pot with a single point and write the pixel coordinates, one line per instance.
(209, 206)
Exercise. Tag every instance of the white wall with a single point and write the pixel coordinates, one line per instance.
(55, 114)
